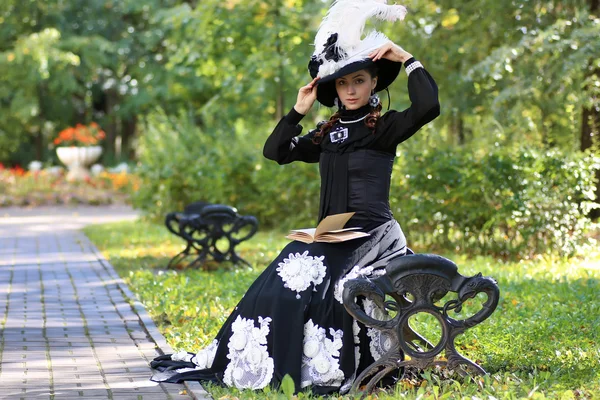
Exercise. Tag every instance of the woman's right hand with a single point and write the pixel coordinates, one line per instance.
(306, 97)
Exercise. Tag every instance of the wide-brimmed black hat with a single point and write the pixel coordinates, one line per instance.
(387, 71)
(340, 50)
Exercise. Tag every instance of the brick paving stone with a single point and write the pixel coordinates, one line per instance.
(66, 328)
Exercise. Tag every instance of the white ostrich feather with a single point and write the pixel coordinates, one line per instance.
(372, 42)
(347, 18)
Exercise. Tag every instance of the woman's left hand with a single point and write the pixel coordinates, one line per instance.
(390, 51)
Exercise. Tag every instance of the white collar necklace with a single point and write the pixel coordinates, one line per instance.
(353, 121)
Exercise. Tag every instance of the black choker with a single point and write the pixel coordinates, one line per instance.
(355, 114)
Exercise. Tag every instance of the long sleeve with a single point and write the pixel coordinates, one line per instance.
(397, 126)
(285, 146)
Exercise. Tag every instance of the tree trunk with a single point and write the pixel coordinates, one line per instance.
(458, 128)
(280, 90)
(111, 130)
(280, 96)
(39, 136)
(590, 122)
(129, 127)
(590, 126)
(39, 146)
(590, 129)
(544, 132)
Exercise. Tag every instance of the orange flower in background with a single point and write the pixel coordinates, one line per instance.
(18, 170)
(120, 180)
(80, 135)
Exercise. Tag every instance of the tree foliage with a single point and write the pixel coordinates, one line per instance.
(506, 70)
(511, 73)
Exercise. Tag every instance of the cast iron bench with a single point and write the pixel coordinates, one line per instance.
(417, 283)
(210, 230)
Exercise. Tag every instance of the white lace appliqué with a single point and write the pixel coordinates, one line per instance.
(299, 271)
(348, 383)
(320, 359)
(380, 342)
(250, 366)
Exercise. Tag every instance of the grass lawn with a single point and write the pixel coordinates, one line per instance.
(543, 341)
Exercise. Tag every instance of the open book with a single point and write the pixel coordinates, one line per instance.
(330, 230)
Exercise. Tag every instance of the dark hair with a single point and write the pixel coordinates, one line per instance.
(373, 70)
(370, 121)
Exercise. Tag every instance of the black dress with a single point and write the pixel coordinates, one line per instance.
(291, 320)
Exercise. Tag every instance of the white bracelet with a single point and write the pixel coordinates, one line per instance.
(412, 67)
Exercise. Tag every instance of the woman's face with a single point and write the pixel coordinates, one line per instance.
(355, 89)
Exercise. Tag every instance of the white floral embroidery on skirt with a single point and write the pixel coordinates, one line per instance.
(380, 342)
(320, 359)
(299, 271)
(250, 366)
(205, 357)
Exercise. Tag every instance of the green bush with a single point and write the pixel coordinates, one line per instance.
(501, 202)
(181, 163)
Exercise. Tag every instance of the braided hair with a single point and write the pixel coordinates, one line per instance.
(325, 127)
(373, 117)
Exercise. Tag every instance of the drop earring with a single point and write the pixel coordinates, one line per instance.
(374, 100)
(338, 103)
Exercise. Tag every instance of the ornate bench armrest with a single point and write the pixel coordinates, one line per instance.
(354, 288)
(418, 284)
(471, 288)
(240, 223)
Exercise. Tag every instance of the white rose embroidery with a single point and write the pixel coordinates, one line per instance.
(250, 366)
(205, 357)
(320, 359)
(299, 271)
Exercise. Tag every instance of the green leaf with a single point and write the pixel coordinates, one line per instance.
(287, 386)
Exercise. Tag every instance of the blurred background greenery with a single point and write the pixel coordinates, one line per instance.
(188, 91)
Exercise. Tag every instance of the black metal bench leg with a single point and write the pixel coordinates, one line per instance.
(179, 257)
(237, 259)
(389, 361)
(202, 254)
(455, 359)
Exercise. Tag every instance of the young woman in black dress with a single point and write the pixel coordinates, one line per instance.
(291, 321)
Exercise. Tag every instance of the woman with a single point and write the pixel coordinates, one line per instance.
(291, 321)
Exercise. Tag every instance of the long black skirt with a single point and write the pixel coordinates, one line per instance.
(291, 321)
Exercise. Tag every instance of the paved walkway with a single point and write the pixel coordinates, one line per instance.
(69, 327)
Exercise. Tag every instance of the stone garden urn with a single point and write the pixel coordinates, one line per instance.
(78, 159)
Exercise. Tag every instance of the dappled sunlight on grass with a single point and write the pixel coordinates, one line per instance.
(542, 341)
